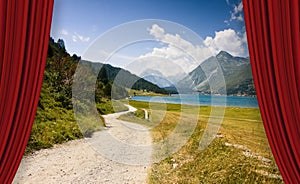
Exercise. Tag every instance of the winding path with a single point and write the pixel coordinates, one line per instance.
(119, 154)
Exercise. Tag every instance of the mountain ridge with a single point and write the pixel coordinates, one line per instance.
(122, 77)
(237, 74)
(155, 77)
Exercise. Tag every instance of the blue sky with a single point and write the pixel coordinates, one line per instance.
(79, 22)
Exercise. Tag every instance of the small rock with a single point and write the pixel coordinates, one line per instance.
(247, 154)
(175, 165)
(219, 136)
(266, 160)
(227, 144)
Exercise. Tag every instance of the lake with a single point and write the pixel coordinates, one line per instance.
(193, 99)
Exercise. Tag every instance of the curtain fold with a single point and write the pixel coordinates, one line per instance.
(273, 33)
(24, 36)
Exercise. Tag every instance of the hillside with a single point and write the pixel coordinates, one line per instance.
(236, 71)
(55, 121)
(122, 78)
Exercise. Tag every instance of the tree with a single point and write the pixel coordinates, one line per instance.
(61, 44)
(102, 75)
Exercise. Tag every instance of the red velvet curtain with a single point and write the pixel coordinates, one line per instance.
(24, 36)
(273, 32)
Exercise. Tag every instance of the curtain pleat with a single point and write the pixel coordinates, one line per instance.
(24, 36)
(273, 35)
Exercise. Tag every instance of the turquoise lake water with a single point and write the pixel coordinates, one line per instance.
(211, 100)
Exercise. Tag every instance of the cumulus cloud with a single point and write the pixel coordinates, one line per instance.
(188, 56)
(185, 55)
(227, 40)
(177, 50)
(178, 55)
(76, 37)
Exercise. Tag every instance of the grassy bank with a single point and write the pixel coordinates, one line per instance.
(240, 153)
(133, 92)
(108, 107)
(54, 124)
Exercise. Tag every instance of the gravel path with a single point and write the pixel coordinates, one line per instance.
(119, 154)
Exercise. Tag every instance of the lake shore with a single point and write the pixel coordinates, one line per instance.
(206, 100)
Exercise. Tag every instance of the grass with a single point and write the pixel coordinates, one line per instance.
(133, 92)
(54, 124)
(140, 113)
(109, 106)
(217, 163)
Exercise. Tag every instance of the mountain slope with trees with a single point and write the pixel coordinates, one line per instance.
(121, 77)
(55, 121)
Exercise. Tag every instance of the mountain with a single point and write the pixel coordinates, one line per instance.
(123, 78)
(155, 77)
(237, 74)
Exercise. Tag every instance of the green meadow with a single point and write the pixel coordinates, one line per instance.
(239, 154)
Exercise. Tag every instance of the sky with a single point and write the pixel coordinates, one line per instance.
(219, 23)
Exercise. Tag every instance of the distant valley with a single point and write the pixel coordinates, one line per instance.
(121, 77)
(156, 77)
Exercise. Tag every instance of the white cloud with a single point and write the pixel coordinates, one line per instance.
(175, 56)
(244, 39)
(236, 14)
(168, 68)
(188, 56)
(226, 22)
(76, 37)
(177, 50)
(64, 32)
(157, 31)
(238, 8)
(227, 40)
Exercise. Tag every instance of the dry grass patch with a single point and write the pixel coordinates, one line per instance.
(218, 163)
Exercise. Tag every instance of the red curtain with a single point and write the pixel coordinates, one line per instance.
(273, 33)
(24, 36)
